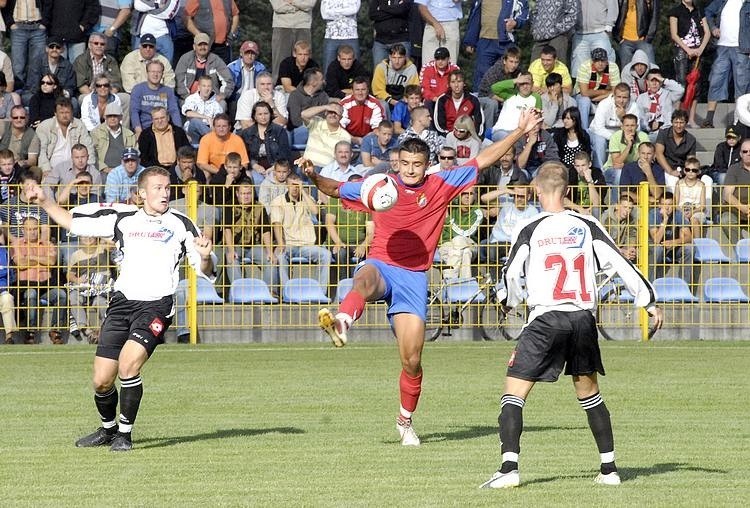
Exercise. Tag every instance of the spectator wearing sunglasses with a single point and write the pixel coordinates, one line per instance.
(94, 104)
(51, 63)
(20, 139)
(673, 146)
(133, 66)
(42, 102)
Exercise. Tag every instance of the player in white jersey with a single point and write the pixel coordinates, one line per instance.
(559, 252)
(152, 240)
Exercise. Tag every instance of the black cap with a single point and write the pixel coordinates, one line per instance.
(599, 54)
(148, 39)
(442, 53)
(52, 39)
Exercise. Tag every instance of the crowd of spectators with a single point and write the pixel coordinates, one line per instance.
(85, 123)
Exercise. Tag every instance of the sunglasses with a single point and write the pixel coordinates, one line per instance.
(102, 85)
(148, 46)
(18, 117)
(745, 151)
(692, 170)
(460, 131)
(98, 43)
(446, 157)
(54, 46)
(46, 82)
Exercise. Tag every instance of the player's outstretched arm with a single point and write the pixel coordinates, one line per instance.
(327, 186)
(526, 122)
(35, 194)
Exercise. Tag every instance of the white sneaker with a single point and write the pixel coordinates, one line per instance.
(333, 326)
(502, 480)
(608, 479)
(407, 434)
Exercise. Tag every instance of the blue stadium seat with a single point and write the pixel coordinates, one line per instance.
(206, 292)
(742, 249)
(462, 290)
(342, 289)
(724, 290)
(618, 286)
(708, 250)
(250, 291)
(673, 290)
(304, 290)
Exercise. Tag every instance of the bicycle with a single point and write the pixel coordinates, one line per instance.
(447, 304)
(616, 317)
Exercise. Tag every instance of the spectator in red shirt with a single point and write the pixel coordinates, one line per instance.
(362, 111)
(434, 76)
(456, 102)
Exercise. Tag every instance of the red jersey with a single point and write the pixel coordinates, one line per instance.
(407, 234)
(361, 119)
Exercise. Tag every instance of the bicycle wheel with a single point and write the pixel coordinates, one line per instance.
(433, 325)
(616, 320)
(496, 325)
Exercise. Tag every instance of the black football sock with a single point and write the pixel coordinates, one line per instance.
(601, 428)
(511, 426)
(106, 404)
(131, 392)
(709, 116)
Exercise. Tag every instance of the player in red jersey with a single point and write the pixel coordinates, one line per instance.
(402, 250)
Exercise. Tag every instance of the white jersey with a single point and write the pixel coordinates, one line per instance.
(151, 246)
(559, 255)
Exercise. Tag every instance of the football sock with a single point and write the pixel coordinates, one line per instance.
(511, 426)
(106, 404)
(131, 392)
(410, 388)
(353, 305)
(601, 428)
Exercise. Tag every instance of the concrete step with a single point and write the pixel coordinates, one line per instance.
(723, 116)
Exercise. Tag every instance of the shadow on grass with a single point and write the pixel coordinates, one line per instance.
(158, 442)
(631, 473)
(477, 431)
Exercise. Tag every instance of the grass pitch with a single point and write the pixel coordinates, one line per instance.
(308, 425)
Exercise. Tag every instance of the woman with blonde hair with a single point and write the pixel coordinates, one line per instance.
(464, 139)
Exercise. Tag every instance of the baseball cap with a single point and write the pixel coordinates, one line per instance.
(113, 109)
(202, 39)
(250, 46)
(130, 154)
(148, 39)
(54, 40)
(442, 53)
(599, 54)
(730, 132)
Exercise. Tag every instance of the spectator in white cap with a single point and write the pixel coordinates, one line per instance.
(133, 66)
(123, 178)
(111, 138)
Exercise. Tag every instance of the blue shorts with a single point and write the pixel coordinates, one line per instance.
(405, 290)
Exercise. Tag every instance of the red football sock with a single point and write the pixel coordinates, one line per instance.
(353, 305)
(410, 388)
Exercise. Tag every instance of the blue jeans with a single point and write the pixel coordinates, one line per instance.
(317, 255)
(196, 129)
(164, 45)
(599, 147)
(27, 43)
(71, 51)
(662, 258)
(256, 256)
(584, 43)
(488, 52)
(380, 51)
(584, 106)
(330, 49)
(728, 61)
(627, 48)
(56, 298)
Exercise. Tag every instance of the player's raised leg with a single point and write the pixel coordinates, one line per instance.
(132, 358)
(368, 286)
(409, 329)
(105, 398)
(511, 427)
(587, 391)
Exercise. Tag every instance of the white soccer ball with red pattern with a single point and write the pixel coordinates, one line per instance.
(379, 192)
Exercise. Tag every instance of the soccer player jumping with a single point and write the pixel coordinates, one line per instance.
(559, 253)
(402, 251)
(152, 240)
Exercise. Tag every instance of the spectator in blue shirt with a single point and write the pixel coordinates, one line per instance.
(149, 94)
(401, 114)
(377, 146)
(642, 170)
(123, 178)
(671, 242)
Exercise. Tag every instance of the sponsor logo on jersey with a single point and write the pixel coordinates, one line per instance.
(156, 327)
(573, 239)
(162, 235)
(421, 200)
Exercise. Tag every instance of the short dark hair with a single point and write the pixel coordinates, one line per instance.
(416, 146)
(680, 114)
(63, 102)
(412, 90)
(31, 173)
(361, 79)
(221, 116)
(630, 116)
(309, 73)
(552, 79)
(344, 49)
(385, 123)
(512, 51)
(549, 50)
(397, 49)
(186, 152)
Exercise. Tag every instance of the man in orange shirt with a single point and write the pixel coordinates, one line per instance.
(215, 146)
(219, 19)
(35, 258)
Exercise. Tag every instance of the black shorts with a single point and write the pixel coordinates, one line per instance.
(144, 322)
(553, 340)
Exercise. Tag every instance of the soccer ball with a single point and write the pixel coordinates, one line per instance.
(379, 192)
